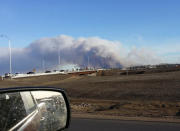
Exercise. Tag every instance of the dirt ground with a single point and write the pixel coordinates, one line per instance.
(154, 95)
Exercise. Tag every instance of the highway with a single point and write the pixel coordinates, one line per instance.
(119, 125)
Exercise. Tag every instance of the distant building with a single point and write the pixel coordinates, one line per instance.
(143, 67)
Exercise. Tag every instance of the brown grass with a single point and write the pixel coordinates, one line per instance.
(150, 95)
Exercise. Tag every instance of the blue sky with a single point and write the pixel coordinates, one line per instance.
(153, 24)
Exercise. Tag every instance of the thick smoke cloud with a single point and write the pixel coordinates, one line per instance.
(93, 52)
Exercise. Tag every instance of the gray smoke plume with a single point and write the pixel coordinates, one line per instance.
(93, 52)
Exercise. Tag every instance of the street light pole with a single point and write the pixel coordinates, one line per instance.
(59, 57)
(9, 43)
(10, 61)
(88, 62)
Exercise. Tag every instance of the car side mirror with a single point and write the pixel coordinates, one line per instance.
(34, 108)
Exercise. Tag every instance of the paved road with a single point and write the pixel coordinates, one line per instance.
(117, 125)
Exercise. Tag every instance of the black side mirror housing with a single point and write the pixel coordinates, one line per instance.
(34, 108)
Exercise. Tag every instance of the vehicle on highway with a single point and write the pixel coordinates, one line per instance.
(7, 75)
(30, 72)
(30, 108)
(47, 71)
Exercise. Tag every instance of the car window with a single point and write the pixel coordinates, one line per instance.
(12, 110)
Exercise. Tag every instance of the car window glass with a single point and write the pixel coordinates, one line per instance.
(12, 110)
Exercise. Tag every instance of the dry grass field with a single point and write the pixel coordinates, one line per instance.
(147, 95)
